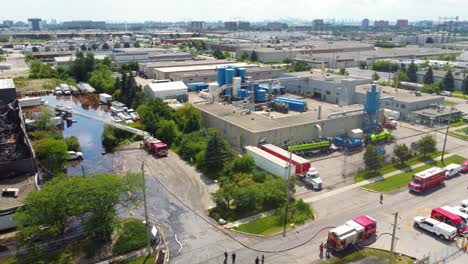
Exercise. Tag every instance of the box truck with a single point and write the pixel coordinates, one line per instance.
(270, 163)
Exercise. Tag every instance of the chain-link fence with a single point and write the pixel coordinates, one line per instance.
(447, 254)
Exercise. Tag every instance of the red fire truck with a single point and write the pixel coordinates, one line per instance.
(351, 233)
(155, 146)
(427, 179)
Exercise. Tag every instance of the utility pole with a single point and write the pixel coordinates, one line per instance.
(446, 133)
(148, 238)
(392, 246)
(82, 169)
(288, 194)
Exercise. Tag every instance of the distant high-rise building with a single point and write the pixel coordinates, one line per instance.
(35, 24)
(198, 26)
(244, 25)
(381, 24)
(8, 23)
(365, 23)
(424, 24)
(230, 25)
(84, 24)
(53, 22)
(402, 23)
(276, 26)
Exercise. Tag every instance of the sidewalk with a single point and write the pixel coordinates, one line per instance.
(334, 192)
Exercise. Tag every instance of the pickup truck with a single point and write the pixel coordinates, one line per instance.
(442, 230)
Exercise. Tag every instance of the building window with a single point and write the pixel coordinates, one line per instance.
(403, 106)
(387, 103)
(328, 92)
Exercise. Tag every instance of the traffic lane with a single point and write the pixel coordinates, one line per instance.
(340, 208)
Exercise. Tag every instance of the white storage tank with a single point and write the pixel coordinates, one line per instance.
(236, 85)
(270, 163)
(212, 87)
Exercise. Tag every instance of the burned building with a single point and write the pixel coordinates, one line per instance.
(18, 170)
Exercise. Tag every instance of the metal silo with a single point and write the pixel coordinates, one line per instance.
(221, 75)
(372, 106)
(242, 73)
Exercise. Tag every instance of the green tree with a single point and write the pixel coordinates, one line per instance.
(218, 54)
(343, 71)
(126, 45)
(373, 159)
(83, 47)
(248, 199)
(426, 145)
(225, 195)
(244, 56)
(362, 65)
(192, 124)
(216, 154)
(42, 121)
(107, 61)
(152, 112)
(71, 48)
(399, 77)
(136, 44)
(244, 164)
(168, 131)
(298, 66)
(402, 152)
(412, 72)
(465, 86)
(375, 76)
(102, 78)
(429, 76)
(94, 46)
(52, 153)
(78, 69)
(73, 143)
(105, 46)
(253, 56)
(117, 46)
(449, 81)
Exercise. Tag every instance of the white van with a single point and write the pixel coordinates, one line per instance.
(452, 170)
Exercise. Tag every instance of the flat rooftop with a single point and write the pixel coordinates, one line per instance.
(312, 46)
(251, 69)
(201, 67)
(399, 94)
(7, 84)
(321, 76)
(263, 121)
(25, 184)
(435, 112)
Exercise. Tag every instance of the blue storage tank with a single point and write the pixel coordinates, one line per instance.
(221, 75)
(241, 93)
(242, 73)
(229, 74)
(261, 95)
(372, 106)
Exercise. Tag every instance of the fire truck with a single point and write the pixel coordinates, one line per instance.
(351, 233)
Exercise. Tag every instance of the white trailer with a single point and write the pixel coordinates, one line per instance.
(105, 98)
(30, 101)
(270, 163)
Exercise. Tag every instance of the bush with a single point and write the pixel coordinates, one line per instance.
(298, 213)
(73, 143)
(51, 152)
(41, 134)
(132, 237)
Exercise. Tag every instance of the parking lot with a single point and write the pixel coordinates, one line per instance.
(338, 170)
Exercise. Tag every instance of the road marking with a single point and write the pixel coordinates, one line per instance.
(178, 242)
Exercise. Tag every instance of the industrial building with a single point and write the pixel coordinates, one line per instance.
(147, 68)
(18, 169)
(277, 53)
(165, 90)
(440, 75)
(333, 106)
(347, 59)
(255, 73)
(165, 72)
(404, 101)
(35, 24)
(147, 55)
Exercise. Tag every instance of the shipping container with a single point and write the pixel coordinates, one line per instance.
(105, 98)
(270, 163)
(30, 101)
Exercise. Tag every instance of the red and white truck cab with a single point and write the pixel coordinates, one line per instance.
(427, 179)
(351, 233)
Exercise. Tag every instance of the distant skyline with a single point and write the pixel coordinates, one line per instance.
(212, 10)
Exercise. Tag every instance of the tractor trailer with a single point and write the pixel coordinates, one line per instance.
(270, 163)
(306, 173)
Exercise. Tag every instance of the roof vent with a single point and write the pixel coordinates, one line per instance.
(10, 192)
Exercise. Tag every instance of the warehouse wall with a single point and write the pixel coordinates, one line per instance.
(239, 137)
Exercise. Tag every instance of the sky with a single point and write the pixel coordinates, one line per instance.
(213, 10)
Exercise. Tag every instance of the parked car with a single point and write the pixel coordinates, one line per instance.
(442, 230)
(75, 155)
(461, 209)
(452, 170)
(446, 93)
(464, 167)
